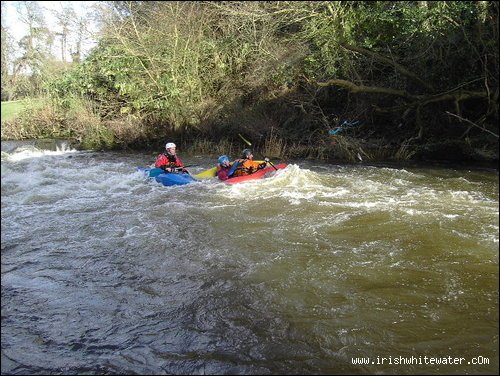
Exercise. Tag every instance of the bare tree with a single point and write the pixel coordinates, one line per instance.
(6, 54)
(34, 47)
(65, 20)
(36, 44)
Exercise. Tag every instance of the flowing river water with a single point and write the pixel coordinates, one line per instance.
(319, 269)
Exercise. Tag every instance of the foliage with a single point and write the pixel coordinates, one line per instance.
(98, 137)
(287, 72)
(423, 49)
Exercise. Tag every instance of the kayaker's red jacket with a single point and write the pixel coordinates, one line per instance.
(168, 161)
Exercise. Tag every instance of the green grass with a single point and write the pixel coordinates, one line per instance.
(11, 109)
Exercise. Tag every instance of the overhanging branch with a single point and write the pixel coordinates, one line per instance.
(399, 68)
(413, 100)
(472, 123)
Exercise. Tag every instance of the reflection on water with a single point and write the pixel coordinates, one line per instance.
(300, 273)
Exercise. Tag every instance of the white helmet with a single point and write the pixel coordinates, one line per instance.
(169, 145)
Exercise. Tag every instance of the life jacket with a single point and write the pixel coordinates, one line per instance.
(247, 167)
(165, 160)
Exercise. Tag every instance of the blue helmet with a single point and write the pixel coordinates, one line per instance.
(222, 159)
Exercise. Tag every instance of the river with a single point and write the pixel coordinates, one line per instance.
(320, 269)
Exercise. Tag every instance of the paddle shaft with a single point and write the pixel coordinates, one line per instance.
(182, 167)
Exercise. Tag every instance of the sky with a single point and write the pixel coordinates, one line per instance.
(18, 29)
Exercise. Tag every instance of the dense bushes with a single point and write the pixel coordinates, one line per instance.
(411, 73)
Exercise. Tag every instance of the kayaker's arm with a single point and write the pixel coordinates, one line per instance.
(264, 164)
(233, 168)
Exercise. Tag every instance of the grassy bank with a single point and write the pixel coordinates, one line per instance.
(11, 109)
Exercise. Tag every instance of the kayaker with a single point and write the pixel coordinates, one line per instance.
(223, 167)
(169, 161)
(246, 165)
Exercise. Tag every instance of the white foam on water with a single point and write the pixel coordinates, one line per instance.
(28, 152)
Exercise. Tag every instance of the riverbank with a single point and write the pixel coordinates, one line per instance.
(12, 146)
(87, 131)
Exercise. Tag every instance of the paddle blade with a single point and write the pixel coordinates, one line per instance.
(245, 140)
(155, 172)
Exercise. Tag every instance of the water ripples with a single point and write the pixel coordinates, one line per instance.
(105, 272)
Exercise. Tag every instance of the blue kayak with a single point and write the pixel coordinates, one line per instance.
(167, 178)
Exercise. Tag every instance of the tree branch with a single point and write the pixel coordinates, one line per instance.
(460, 95)
(386, 60)
(353, 88)
(472, 123)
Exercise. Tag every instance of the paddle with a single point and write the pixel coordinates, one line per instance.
(154, 172)
(183, 167)
(250, 144)
(157, 171)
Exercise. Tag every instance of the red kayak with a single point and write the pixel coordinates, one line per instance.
(256, 175)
